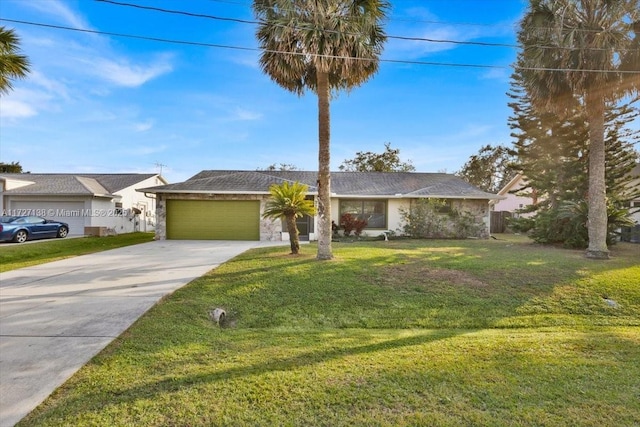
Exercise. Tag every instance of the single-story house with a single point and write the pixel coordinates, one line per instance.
(227, 205)
(89, 203)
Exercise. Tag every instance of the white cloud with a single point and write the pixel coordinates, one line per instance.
(125, 74)
(143, 126)
(16, 109)
(22, 103)
(51, 85)
(411, 49)
(241, 114)
(59, 10)
(502, 74)
(145, 150)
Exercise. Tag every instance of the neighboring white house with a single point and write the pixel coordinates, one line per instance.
(89, 203)
(513, 201)
(227, 205)
(635, 203)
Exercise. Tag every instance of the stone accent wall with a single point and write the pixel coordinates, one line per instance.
(480, 211)
(270, 230)
(161, 217)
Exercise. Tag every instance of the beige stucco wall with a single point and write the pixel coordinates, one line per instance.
(271, 230)
(478, 208)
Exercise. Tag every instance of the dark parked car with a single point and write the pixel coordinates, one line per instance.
(22, 228)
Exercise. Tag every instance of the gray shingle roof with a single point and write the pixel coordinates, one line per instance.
(74, 184)
(356, 184)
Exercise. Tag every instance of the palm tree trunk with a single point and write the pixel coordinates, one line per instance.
(324, 169)
(294, 238)
(597, 222)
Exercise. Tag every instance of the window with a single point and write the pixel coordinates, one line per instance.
(119, 210)
(373, 211)
(444, 206)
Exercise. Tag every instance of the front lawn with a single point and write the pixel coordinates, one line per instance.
(401, 333)
(13, 255)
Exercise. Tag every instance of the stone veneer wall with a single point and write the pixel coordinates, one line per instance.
(270, 230)
(480, 211)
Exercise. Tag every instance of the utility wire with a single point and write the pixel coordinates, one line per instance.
(392, 61)
(252, 22)
(405, 38)
(118, 3)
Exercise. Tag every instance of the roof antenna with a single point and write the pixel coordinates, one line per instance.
(160, 166)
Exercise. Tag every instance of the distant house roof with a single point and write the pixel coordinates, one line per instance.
(511, 184)
(99, 185)
(343, 184)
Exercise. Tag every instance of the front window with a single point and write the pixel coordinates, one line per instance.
(372, 211)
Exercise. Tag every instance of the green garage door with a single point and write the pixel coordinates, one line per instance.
(213, 220)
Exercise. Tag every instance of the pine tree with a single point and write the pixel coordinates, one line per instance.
(552, 151)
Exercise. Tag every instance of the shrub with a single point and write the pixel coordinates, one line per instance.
(567, 225)
(426, 219)
(350, 223)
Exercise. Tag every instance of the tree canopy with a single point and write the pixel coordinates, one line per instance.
(13, 65)
(387, 161)
(490, 169)
(13, 167)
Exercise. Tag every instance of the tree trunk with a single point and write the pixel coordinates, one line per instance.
(597, 222)
(324, 169)
(294, 238)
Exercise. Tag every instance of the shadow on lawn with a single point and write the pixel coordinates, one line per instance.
(282, 364)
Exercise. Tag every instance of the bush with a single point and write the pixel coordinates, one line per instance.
(350, 223)
(567, 225)
(426, 220)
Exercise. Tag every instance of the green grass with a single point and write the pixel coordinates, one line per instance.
(13, 256)
(400, 333)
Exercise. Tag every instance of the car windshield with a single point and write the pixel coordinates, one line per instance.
(8, 219)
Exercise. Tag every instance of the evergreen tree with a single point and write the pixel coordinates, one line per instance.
(581, 52)
(552, 151)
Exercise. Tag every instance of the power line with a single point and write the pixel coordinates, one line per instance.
(253, 22)
(417, 21)
(405, 38)
(130, 36)
(392, 61)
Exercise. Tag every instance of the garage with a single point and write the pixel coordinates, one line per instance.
(213, 219)
(69, 212)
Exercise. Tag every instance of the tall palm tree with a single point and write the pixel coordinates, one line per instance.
(583, 51)
(12, 65)
(289, 201)
(324, 46)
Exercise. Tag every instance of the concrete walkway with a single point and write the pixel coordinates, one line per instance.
(55, 317)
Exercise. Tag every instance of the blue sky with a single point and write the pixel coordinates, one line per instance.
(108, 104)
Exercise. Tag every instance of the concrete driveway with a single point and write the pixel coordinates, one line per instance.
(55, 317)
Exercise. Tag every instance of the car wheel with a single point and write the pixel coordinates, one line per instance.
(62, 232)
(20, 237)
